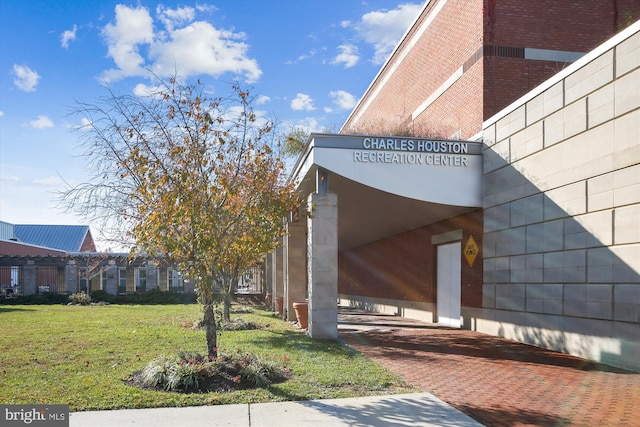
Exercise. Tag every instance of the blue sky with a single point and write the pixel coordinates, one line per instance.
(307, 62)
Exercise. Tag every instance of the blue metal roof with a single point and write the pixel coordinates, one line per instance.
(67, 238)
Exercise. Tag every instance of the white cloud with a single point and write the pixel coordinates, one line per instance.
(307, 124)
(344, 100)
(41, 122)
(26, 79)
(67, 36)
(302, 102)
(348, 55)
(235, 113)
(310, 124)
(262, 99)
(384, 28)
(142, 89)
(49, 181)
(133, 28)
(1, 113)
(206, 8)
(201, 48)
(85, 123)
(184, 47)
(311, 54)
(173, 17)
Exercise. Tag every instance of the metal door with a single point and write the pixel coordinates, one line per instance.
(448, 282)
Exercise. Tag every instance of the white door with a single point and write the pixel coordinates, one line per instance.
(448, 282)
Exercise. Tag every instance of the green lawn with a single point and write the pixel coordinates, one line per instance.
(82, 355)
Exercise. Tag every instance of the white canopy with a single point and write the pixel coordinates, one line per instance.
(387, 185)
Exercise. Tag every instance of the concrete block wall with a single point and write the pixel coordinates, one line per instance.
(562, 210)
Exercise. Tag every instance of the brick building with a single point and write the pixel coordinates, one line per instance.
(63, 259)
(461, 62)
(532, 231)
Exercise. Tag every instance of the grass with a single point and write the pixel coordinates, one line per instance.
(82, 356)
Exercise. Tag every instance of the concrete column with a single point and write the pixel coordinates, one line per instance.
(279, 284)
(29, 279)
(322, 265)
(71, 277)
(296, 274)
(112, 278)
(269, 278)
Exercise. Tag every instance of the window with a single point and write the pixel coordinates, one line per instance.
(175, 279)
(15, 279)
(122, 280)
(103, 279)
(141, 279)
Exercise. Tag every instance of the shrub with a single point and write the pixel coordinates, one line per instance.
(154, 296)
(240, 324)
(80, 298)
(102, 296)
(36, 299)
(242, 310)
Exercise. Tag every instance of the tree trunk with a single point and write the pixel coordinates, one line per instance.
(227, 307)
(210, 329)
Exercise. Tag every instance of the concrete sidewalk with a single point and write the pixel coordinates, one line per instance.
(419, 409)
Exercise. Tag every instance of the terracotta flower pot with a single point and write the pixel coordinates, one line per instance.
(280, 305)
(302, 313)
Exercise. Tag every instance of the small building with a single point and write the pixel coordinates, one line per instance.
(63, 259)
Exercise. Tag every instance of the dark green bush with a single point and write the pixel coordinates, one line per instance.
(154, 296)
(36, 299)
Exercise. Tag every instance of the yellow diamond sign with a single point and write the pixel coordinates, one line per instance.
(471, 251)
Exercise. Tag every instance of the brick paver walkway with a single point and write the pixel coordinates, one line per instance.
(500, 382)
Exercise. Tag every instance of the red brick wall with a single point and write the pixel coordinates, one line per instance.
(402, 267)
(458, 109)
(461, 28)
(574, 26)
(88, 245)
(20, 249)
(578, 25)
(507, 79)
(451, 38)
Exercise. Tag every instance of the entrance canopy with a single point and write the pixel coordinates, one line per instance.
(388, 185)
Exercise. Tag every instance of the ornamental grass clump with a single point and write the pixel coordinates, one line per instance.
(156, 373)
(193, 372)
(252, 370)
